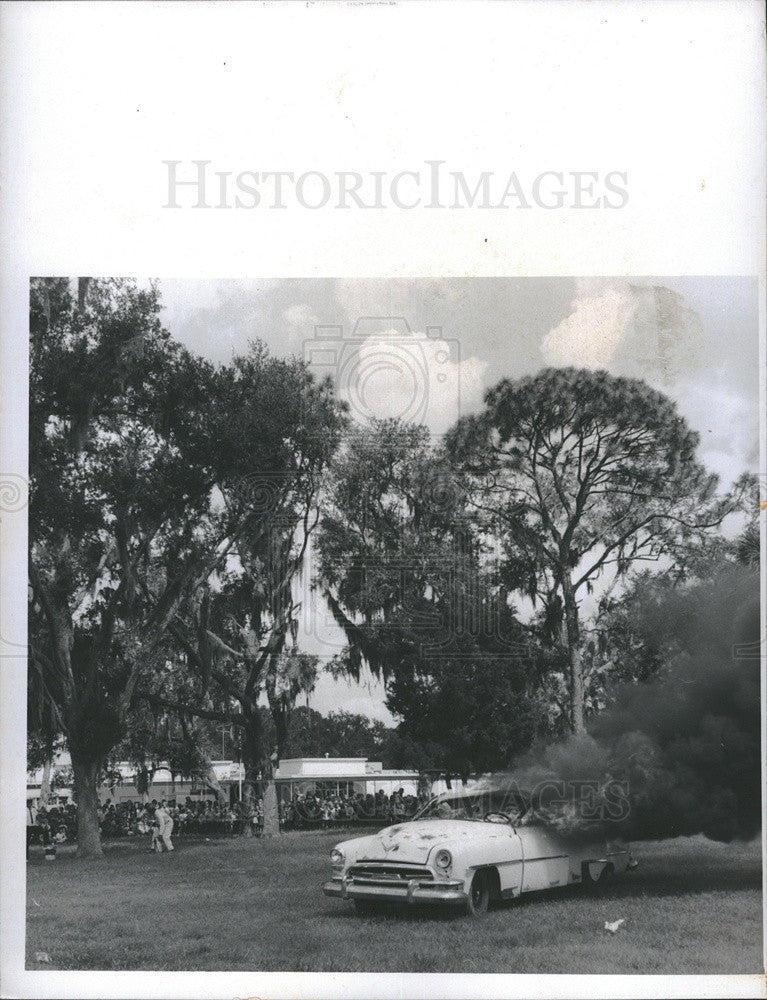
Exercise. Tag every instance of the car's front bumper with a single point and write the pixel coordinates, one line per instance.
(411, 891)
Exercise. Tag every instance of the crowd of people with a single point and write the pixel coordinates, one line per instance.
(333, 808)
(58, 824)
(317, 809)
(48, 827)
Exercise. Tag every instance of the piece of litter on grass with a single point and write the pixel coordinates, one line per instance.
(207, 840)
(42, 956)
(613, 927)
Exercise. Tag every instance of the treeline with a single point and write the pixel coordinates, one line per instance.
(312, 734)
(309, 734)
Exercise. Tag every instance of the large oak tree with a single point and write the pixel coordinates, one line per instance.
(119, 473)
(420, 603)
(236, 632)
(148, 468)
(580, 473)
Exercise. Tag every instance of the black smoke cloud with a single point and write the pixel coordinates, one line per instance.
(680, 755)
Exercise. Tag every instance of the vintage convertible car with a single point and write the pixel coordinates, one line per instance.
(466, 849)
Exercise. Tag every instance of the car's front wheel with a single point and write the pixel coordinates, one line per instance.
(478, 898)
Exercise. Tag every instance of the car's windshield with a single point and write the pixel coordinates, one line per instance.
(474, 807)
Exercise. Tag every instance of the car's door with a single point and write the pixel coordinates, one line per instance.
(508, 861)
(546, 859)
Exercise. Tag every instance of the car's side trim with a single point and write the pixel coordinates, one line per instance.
(544, 857)
(523, 861)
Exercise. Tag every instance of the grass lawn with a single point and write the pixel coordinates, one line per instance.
(692, 906)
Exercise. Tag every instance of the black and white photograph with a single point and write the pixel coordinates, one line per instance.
(394, 643)
(383, 499)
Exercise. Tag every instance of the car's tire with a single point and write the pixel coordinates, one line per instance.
(478, 898)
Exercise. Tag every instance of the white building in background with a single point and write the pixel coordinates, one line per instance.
(343, 774)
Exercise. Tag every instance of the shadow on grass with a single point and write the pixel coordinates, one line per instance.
(687, 881)
(638, 884)
(397, 911)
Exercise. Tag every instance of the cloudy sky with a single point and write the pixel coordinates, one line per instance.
(428, 349)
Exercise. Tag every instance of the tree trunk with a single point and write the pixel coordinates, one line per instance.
(573, 640)
(86, 773)
(249, 786)
(281, 717)
(258, 775)
(271, 812)
(212, 782)
(45, 785)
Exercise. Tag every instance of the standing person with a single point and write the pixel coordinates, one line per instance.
(31, 822)
(165, 827)
(156, 842)
(153, 823)
(45, 826)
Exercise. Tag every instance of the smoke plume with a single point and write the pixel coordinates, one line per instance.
(677, 756)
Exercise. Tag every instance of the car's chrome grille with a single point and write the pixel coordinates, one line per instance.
(381, 871)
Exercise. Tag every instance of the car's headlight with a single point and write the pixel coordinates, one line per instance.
(443, 860)
(337, 858)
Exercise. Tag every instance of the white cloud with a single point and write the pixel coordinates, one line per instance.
(638, 331)
(648, 332)
(410, 376)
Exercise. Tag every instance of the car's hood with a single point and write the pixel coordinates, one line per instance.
(414, 841)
